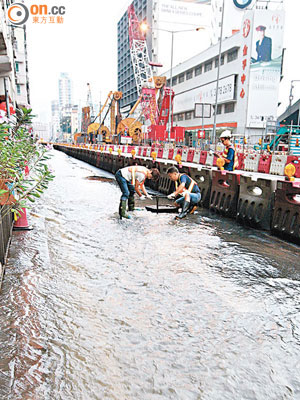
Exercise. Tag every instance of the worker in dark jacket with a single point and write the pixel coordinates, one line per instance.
(188, 190)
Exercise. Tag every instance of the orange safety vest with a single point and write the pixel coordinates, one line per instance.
(133, 171)
(235, 160)
(192, 184)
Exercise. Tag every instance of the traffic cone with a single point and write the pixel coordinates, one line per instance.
(21, 224)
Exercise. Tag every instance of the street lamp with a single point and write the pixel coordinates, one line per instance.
(144, 28)
(218, 77)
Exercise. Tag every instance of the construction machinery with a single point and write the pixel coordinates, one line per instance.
(155, 98)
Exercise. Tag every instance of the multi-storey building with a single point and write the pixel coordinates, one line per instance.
(14, 82)
(21, 66)
(74, 120)
(7, 73)
(182, 17)
(65, 90)
(55, 119)
(247, 87)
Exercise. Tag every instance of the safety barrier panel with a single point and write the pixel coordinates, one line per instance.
(190, 156)
(165, 154)
(241, 158)
(251, 162)
(295, 160)
(264, 163)
(177, 151)
(286, 218)
(224, 193)
(148, 152)
(255, 202)
(197, 155)
(184, 155)
(160, 152)
(203, 157)
(203, 177)
(277, 165)
(171, 153)
(98, 160)
(209, 159)
(165, 185)
(139, 153)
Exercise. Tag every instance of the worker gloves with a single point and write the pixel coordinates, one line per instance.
(171, 196)
(146, 197)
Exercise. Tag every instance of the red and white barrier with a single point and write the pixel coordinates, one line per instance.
(278, 164)
(251, 162)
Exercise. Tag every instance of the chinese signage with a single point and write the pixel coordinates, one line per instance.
(265, 68)
(247, 29)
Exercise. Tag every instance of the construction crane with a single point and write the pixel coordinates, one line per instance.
(141, 67)
(148, 87)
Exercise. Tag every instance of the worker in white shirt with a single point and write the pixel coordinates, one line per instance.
(131, 180)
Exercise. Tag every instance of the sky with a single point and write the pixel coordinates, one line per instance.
(85, 46)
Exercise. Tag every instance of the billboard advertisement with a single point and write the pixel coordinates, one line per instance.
(205, 94)
(265, 67)
(184, 12)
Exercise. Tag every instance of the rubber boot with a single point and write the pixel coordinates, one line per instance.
(184, 211)
(131, 203)
(122, 210)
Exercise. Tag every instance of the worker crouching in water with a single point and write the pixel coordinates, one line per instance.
(229, 155)
(131, 180)
(188, 190)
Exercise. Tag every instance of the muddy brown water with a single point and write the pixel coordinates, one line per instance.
(97, 308)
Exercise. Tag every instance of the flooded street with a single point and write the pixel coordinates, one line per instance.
(97, 308)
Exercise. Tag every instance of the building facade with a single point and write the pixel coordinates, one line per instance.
(248, 88)
(65, 90)
(14, 82)
(21, 66)
(55, 120)
(182, 17)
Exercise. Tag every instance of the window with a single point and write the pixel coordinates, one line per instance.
(208, 66)
(180, 117)
(17, 67)
(181, 78)
(229, 108)
(198, 70)
(189, 74)
(219, 109)
(232, 55)
(188, 115)
(217, 61)
(168, 82)
(174, 118)
(174, 81)
(18, 89)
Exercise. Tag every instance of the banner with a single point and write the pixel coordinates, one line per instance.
(265, 68)
(185, 101)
